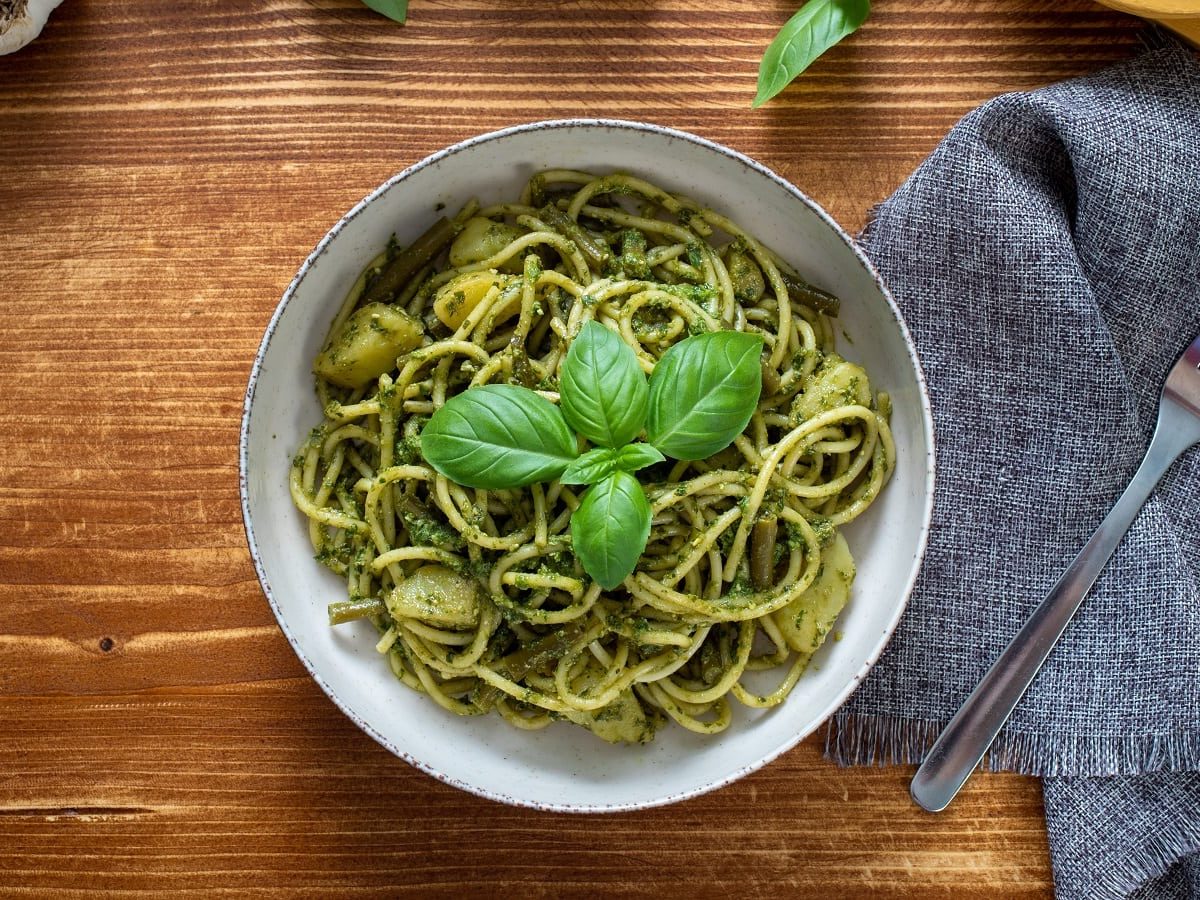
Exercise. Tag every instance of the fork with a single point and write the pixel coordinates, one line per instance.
(961, 746)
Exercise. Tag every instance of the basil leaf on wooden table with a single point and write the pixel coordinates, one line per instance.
(632, 457)
(591, 467)
(498, 436)
(610, 528)
(703, 392)
(602, 388)
(817, 26)
(393, 9)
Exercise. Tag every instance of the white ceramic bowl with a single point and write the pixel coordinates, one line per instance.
(565, 767)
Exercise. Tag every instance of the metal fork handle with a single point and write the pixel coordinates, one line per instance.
(961, 746)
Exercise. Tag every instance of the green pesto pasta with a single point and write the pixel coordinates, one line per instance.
(477, 596)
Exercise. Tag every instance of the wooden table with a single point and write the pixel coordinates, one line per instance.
(165, 168)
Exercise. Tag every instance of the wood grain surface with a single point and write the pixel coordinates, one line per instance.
(164, 168)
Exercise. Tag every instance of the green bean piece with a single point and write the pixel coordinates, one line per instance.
(809, 294)
(343, 611)
(530, 658)
(762, 553)
(595, 250)
(397, 272)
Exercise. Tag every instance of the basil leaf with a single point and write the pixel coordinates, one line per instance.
(610, 528)
(817, 26)
(632, 457)
(498, 436)
(703, 392)
(393, 9)
(602, 388)
(591, 467)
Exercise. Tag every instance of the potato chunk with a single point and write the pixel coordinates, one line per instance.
(482, 239)
(835, 383)
(438, 596)
(745, 275)
(806, 620)
(370, 341)
(456, 299)
(622, 721)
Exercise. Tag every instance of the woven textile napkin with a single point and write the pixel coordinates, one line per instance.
(1047, 259)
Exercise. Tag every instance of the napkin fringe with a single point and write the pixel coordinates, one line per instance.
(859, 739)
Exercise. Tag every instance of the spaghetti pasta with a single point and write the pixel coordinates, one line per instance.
(477, 595)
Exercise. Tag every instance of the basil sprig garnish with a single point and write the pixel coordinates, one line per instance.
(699, 391)
(596, 464)
(638, 456)
(615, 516)
(699, 398)
(498, 436)
(603, 390)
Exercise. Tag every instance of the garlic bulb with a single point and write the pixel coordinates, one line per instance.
(21, 21)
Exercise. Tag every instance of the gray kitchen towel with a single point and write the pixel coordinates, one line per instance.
(1047, 259)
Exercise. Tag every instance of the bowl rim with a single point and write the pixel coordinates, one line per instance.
(926, 417)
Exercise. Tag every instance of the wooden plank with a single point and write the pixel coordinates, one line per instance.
(268, 787)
